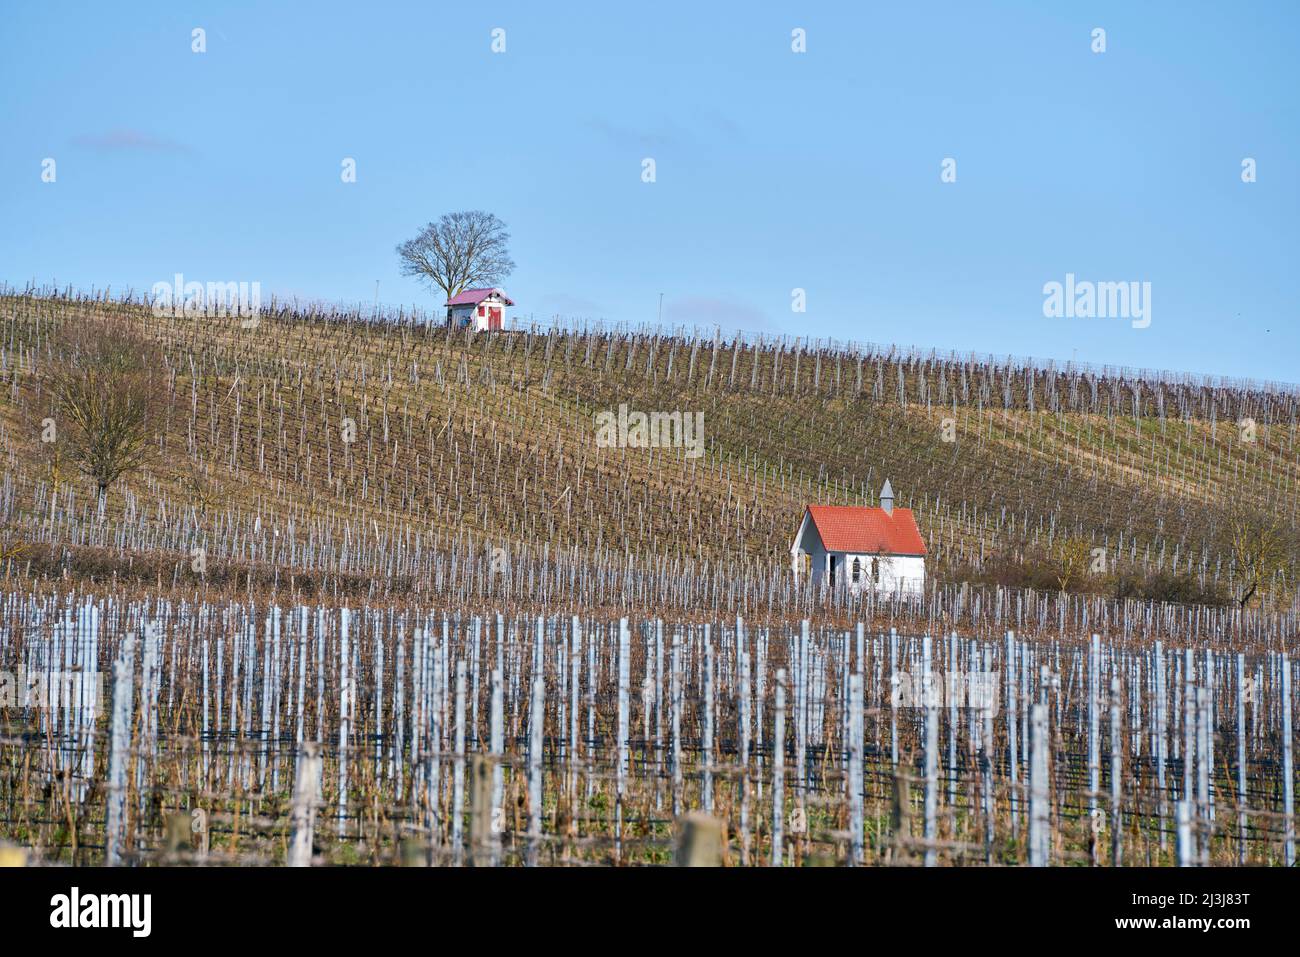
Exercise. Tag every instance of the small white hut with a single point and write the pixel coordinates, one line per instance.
(484, 308)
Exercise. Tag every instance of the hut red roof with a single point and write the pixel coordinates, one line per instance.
(472, 297)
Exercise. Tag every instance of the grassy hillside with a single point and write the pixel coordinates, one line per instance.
(490, 441)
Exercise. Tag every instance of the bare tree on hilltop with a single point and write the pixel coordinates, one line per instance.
(108, 385)
(458, 252)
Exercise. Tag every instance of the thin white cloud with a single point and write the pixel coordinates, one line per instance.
(128, 140)
(570, 305)
(714, 311)
(626, 138)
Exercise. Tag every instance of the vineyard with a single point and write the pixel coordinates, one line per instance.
(327, 452)
(308, 735)
(371, 591)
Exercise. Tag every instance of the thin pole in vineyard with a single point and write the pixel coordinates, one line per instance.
(707, 751)
(894, 679)
(264, 738)
(778, 770)
(476, 659)
(931, 756)
(306, 798)
(1039, 818)
(458, 772)
(302, 675)
(953, 672)
(320, 676)
(1185, 846)
(988, 690)
(1189, 730)
(760, 648)
(535, 768)
(1203, 767)
(344, 729)
(1094, 730)
(659, 709)
(592, 678)
(744, 718)
(396, 762)
(1288, 769)
(1013, 758)
(1162, 735)
(119, 750)
(1210, 715)
(1241, 759)
(675, 701)
(1116, 740)
(575, 683)
(379, 700)
(235, 648)
(624, 679)
(482, 817)
(855, 769)
(496, 742)
(801, 711)
(205, 709)
(433, 781)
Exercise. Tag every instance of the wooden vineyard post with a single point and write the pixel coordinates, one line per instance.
(659, 709)
(575, 684)
(778, 770)
(413, 853)
(744, 718)
(855, 769)
(931, 756)
(1116, 739)
(987, 705)
(624, 680)
(119, 751)
(11, 856)
(1241, 759)
(706, 798)
(458, 768)
(178, 836)
(1203, 761)
(675, 704)
(900, 819)
(1013, 757)
(1189, 733)
(700, 841)
(1094, 731)
(894, 679)
(1162, 725)
(537, 724)
(483, 815)
(1186, 845)
(344, 723)
(1288, 769)
(1039, 816)
(306, 798)
(496, 737)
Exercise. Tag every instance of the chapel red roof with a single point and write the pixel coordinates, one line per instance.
(867, 531)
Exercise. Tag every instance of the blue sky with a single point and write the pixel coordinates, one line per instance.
(775, 170)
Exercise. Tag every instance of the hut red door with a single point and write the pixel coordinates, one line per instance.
(494, 318)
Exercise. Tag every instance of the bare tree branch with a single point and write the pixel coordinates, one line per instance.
(1257, 552)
